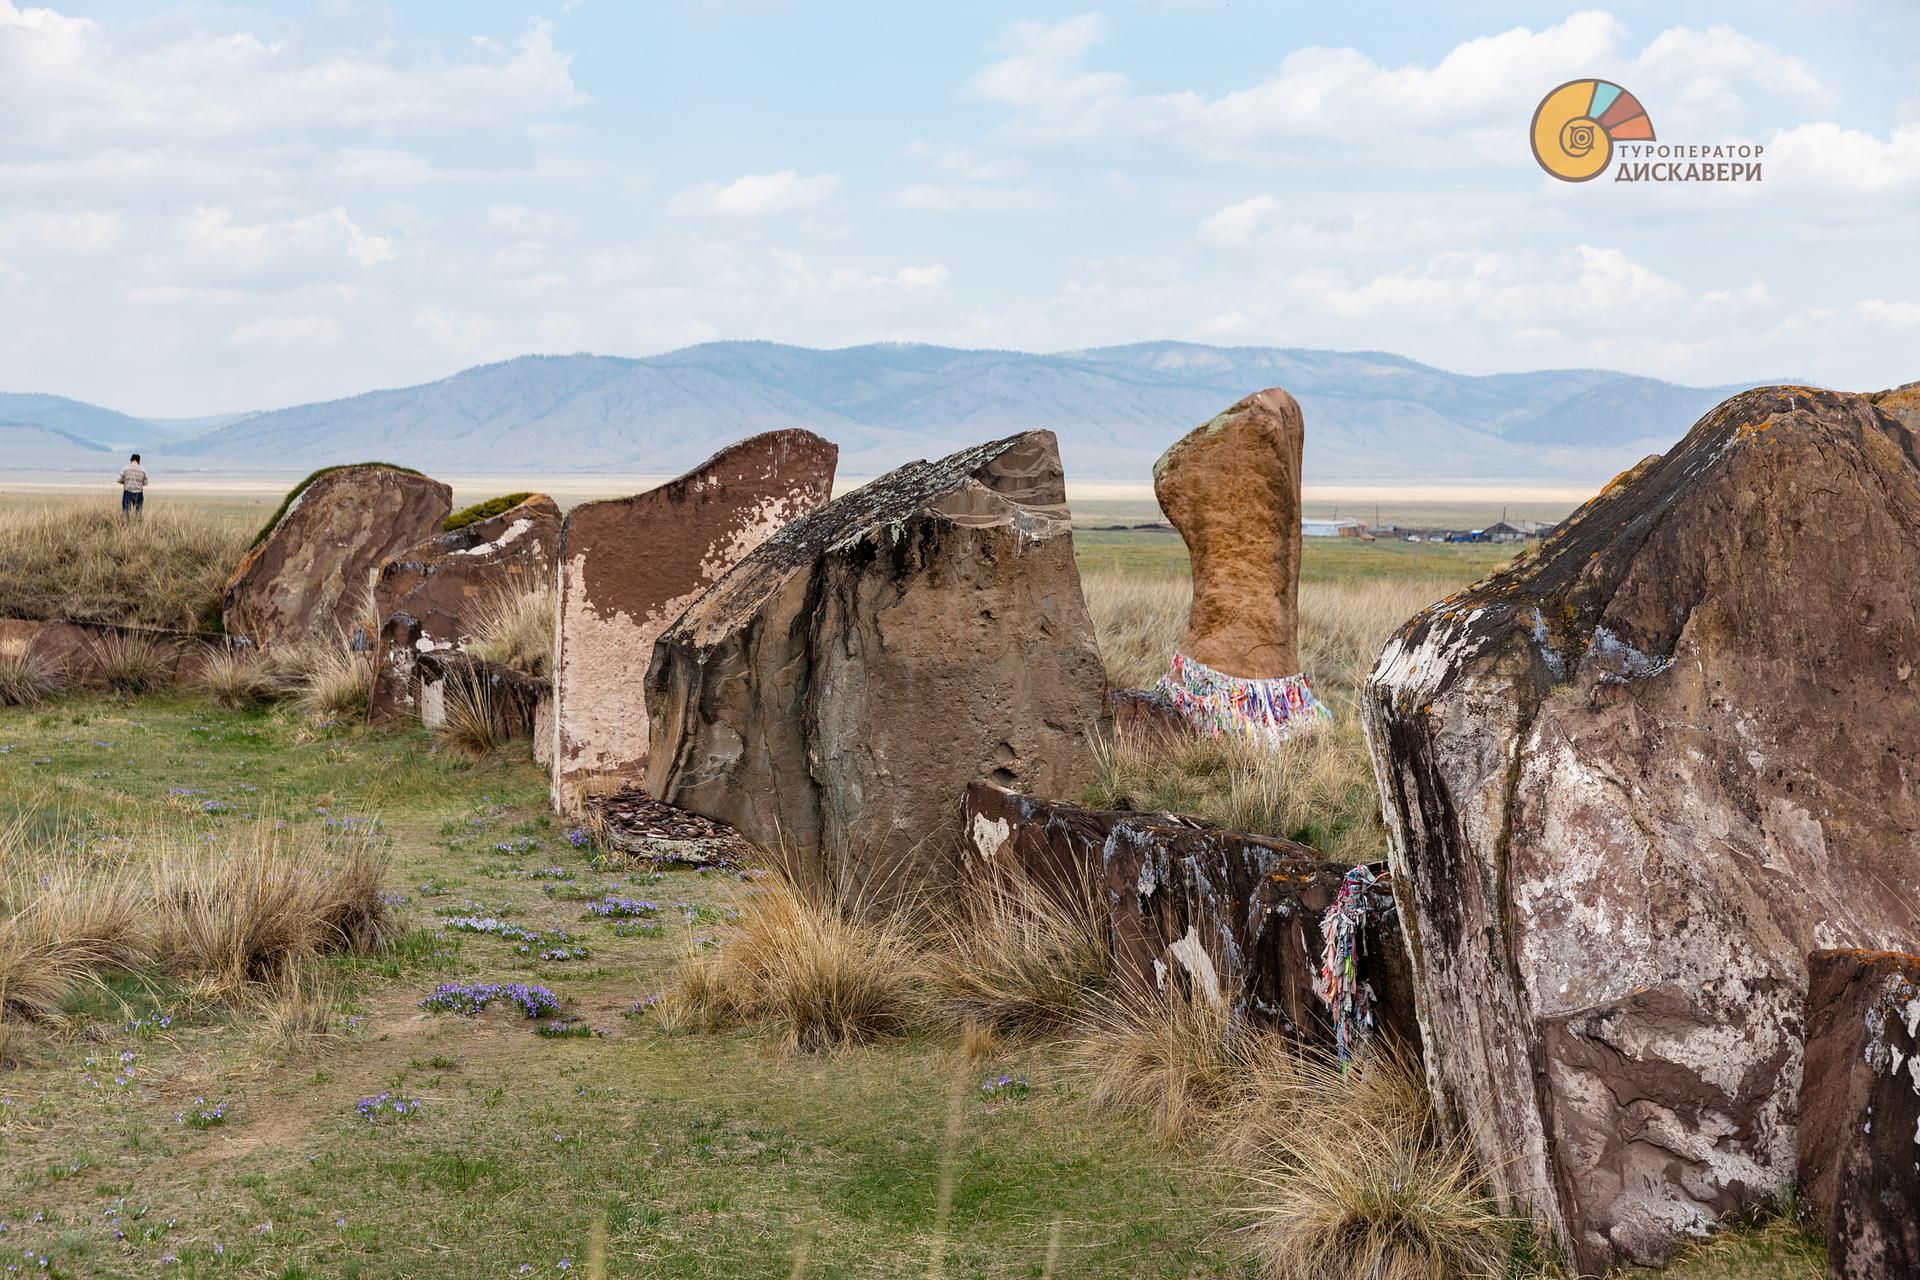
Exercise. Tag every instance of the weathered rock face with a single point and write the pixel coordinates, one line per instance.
(1232, 489)
(1902, 404)
(1223, 914)
(310, 576)
(630, 566)
(426, 597)
(831, 697)
(1860, 1111)
(73, 651)
(1630, 783)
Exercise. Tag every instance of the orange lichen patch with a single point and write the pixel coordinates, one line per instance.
(1747, 431)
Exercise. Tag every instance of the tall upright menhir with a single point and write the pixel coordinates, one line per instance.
(1231, 486)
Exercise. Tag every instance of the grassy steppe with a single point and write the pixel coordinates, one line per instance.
(625, 1151)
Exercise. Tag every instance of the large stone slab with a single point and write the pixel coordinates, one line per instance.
(428, 597)
(831, 697)
(510, 699)
(1630, 783)
(1859, 1139)
(311, 574)
(1231, 486)
(1223, 915)
(630, 566)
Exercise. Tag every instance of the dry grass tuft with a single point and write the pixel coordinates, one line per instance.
(245, 678)
(1163, 1055)
(299, 1017)
(515, 629)
(821, 973)
(472, 725)
(332, 681)
(25, 681)
(1345, 1177)
(129, 662)
(228, 919)
(1013, 957)
(85, 562)
(255, 910)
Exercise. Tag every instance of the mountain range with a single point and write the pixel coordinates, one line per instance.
(1371, 416)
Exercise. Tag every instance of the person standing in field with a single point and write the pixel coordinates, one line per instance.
(133, 487)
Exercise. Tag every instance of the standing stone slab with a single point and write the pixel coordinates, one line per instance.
(309, 576)
(630, 566)
(1231, 486)
(1860, 1112)
(1223, 915)
(831, 697)
(1630, 783)
(428, 596)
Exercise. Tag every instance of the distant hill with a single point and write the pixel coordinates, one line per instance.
(85, 422)
(29, 446)
(1370, 416)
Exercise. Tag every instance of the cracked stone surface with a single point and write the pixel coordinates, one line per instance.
(1630, 783)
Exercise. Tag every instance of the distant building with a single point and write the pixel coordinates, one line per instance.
(1513, 530)
(1332, 528)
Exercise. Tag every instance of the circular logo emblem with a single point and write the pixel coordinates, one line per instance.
(1575, 127)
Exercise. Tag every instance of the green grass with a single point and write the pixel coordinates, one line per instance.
(688, 1156)
(483, 510)
(1150, 552)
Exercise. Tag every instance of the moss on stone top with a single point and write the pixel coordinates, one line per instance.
(483, 511)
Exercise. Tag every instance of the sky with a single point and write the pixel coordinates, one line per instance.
(213, 208)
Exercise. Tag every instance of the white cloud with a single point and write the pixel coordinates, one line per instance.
(1828, 156)
(72, 90)
(754, 194)
(1043, 68)
(1702, 75)
(287, 331)
(212, 234)
(799, 277)
(1895, 315)
(85, 233)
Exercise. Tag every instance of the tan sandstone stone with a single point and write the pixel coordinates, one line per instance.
(630, 566)
(1232, 488)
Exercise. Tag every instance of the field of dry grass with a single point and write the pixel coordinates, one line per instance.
(85, 562)
(1318, 788)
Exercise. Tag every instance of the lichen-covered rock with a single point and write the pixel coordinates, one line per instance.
(832, 695)
(629, 566)
(1859, 1139)
(309, 576)
(1222, 915)
(1630, 783)
(1231, 487)
(1902, 404)
(428, 597)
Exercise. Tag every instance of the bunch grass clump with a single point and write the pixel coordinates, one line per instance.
(515, 629)
(821, 973)
(471, 724)
(1018, 957)
(1171, 1056)
(233, 920)
(237, 678)
(1344, 1175)
(128, 662)
(84, 562)
(333, 681)
(26, 681)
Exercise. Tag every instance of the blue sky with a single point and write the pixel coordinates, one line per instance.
(207, 208)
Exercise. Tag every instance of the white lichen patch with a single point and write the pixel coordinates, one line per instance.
(990, 835)
(1193, 957)
(515, 531)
